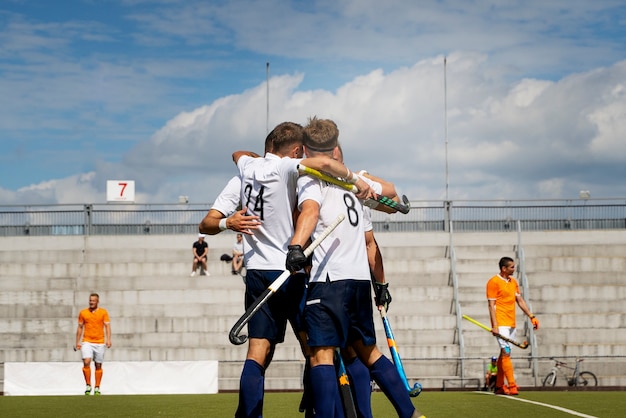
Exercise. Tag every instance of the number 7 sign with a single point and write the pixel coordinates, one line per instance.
(120, 190)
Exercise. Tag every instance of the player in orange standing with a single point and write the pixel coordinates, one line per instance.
(94, 326)
(502, 293)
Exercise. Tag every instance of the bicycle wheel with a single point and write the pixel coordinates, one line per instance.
(550, 379)
(586, 379)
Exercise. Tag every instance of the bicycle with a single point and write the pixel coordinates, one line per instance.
(578, 378)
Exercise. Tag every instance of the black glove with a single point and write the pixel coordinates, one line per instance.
(382, 295)
(296, 260)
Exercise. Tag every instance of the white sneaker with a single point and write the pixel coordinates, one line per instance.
(206, 273)
(193, 273)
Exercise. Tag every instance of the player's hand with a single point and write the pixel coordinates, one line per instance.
(535, 322)
(365, 191)
(240, 222)
(77, 347)
(296, 260)
(382, 297)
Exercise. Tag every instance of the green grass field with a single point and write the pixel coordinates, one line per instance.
(432, 404)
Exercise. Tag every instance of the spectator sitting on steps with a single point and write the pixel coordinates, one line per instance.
(200, 251)
(237, 261)
(491, 374)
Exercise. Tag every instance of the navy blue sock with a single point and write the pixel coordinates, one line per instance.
(359, 376)
(251, 386)
(306, 404)
(385, 374)
(325, 390)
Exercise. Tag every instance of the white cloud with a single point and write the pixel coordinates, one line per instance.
(527, 139)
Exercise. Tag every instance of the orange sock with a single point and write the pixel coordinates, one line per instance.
(500, 374)
(87, 374)
(507, 368)
(98, 377)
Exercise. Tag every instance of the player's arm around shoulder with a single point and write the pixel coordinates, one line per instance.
(238, 154)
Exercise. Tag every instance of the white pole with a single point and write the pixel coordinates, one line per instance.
(267, 109)
(445, 112)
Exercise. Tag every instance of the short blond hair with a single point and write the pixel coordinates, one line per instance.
(321, 135)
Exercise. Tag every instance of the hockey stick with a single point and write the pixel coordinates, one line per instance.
(523, 345)
(400, 207)
(344, 387)
(393, 348)
(234, 336)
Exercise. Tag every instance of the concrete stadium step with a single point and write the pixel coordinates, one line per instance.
(67, 256)
(29, 311)
(42, 297)
(538, 279)
(565, 250)
(562, 278)
(122, 325)
(593, 336)
(489, 254)
(420, 252)
(576, 293)
(418, 306)
(177, 268)
(423, 266)
(416, 279)
(579, 321)
(577, 264)
(402, 293)
(418, 336)
(483, 339)
(424, 322)
(552, 348)
(591, 306)
(220, 278)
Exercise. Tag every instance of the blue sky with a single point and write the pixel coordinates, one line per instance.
(162, 91)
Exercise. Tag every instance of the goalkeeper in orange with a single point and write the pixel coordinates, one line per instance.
(93, 336)
(502, 294)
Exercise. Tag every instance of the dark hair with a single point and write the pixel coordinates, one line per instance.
(505, 261)
(283, 136)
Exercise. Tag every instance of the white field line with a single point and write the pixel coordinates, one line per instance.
(558, 408)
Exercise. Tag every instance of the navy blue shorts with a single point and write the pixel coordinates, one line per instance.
(339, 313)
(285, 305)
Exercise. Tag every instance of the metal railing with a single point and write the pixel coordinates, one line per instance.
(467, 215)
(456, 303)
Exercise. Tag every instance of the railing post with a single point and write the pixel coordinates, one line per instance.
(87, 224)
(457, 304)
(521, 259)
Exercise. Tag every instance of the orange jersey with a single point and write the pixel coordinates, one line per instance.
(93, 324)
(504, 292)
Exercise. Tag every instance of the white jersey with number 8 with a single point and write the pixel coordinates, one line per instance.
(342, 255)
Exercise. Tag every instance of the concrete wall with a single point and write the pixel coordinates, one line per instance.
(577, 287)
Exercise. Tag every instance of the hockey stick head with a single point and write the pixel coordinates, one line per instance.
(417, 389)
(523, 345)
(237, 339)
(393, 204)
